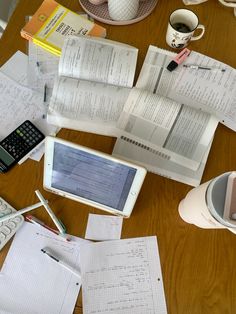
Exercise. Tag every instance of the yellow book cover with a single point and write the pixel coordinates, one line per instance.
(52, 22)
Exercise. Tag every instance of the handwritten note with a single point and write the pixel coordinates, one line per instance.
(103, 227)
(122, 276)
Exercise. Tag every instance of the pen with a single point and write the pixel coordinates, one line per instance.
(40, 223)
(50, 212)
(19, 212)
(45, 93)
(38, 67)
(199, 67)
(63, 264)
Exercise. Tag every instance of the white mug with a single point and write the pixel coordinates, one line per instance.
(181, 27)
(123, 10)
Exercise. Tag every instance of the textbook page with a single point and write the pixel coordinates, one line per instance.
(33, 283)
(175, 132)
(122, 277)
(86, 106)
(130, 151)
(99, 60)
(213, 91)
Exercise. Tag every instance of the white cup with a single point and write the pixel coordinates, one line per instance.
(203, 206)
(181, 27)
(123, 10)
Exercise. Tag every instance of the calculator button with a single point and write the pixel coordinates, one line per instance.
(11, 224)
(5, 212)
(2, 236)
(17, 219)
(6, 230)
(3, 207)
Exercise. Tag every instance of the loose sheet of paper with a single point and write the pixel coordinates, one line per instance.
(31, 282)
(19, 102)
(16, 68)
(103, 227)
(122, 277)
(42, 67)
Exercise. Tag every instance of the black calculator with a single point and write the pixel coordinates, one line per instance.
(19, 143)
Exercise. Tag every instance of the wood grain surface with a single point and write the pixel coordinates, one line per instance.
(198, 265)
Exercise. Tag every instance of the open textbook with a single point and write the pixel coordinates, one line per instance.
(95, 77)
(211, 91)
(93, 94)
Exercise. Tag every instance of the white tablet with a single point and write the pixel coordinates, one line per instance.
(91, 177)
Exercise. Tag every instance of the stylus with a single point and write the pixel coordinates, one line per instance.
(20, 212)
(50, 212)
(63, 264)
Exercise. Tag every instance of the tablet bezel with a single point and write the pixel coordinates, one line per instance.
(48, 167)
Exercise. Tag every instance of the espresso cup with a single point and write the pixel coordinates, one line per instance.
(123, 10)
(181, 27)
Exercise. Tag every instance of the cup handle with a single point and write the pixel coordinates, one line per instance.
(202, 27)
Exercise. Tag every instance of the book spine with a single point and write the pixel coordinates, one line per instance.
(26, 35)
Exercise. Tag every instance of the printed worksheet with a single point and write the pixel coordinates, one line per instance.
(122, 277)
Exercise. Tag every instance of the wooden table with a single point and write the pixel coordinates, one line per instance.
(198, 265)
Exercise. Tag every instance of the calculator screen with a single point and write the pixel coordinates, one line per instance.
(5, 157)
(92, 177)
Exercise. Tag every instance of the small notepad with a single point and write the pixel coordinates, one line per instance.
(103, 227)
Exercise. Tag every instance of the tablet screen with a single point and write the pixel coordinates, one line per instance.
(91, 177)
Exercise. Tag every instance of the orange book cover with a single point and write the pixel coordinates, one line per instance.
(52, 22)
